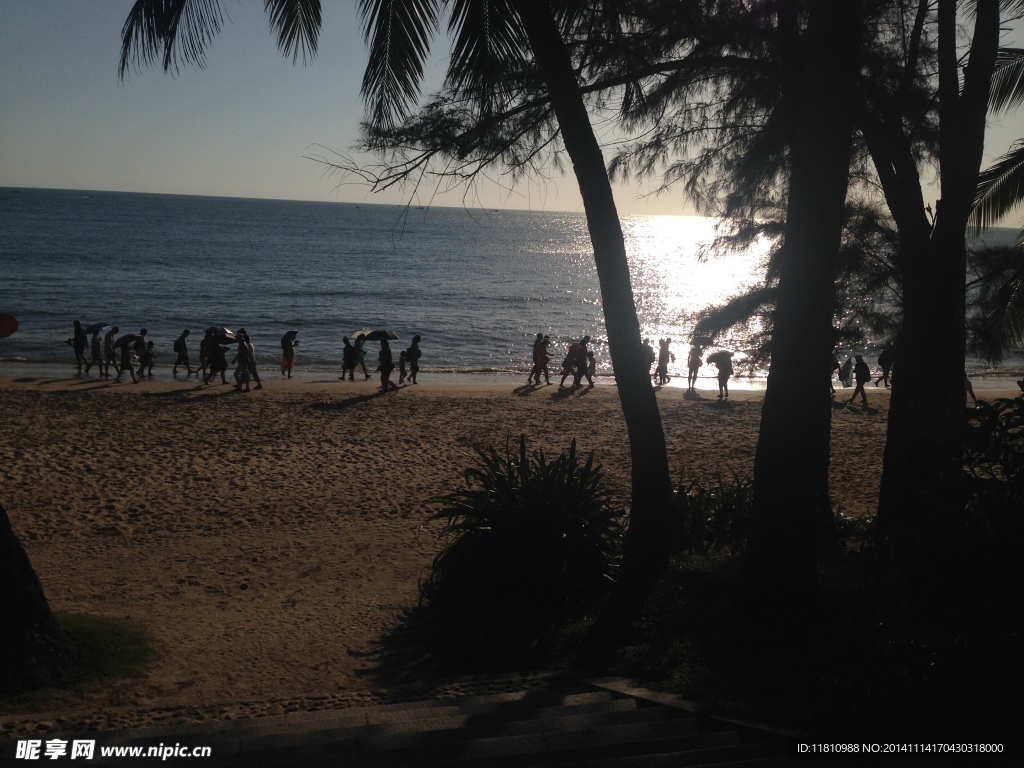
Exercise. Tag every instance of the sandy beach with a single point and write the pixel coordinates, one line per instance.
(267, 540)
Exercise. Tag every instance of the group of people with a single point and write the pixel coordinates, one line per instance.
(134, 354)
(580, 363)
(353, 356)
(858, 372)
(110, 351)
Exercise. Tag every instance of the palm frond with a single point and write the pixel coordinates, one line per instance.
(1007, 89)
(174, 31)
(488, 37)
(1000, 188)
(398, 34)
(297, 24)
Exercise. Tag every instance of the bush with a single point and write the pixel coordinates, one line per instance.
(715, 518)
(529, 539)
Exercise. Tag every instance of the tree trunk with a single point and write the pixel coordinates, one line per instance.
(791, 504)
(33, 649)
(648, 543)
(922, 467)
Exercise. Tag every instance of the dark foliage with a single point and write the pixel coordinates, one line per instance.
(529, 540)
(715, 518)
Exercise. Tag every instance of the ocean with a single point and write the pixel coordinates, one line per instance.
(476, 285)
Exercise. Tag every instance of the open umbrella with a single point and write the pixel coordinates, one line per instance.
(221, 335)
(8, 325)
(128, 338)
(289, 336)
(380, 335)
(719, 357)
(96, 327)
(364, 332)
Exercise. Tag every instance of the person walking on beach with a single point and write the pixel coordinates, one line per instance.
(723, 361)
(348, 360)
(146, 360)
(126, 361)
(591, 369)
(413, 355)
(535, 370)
(218, 361)
(181, 350)
(575, 362)
(79, 343)
(96, 346)
(204, 354)
(649, 356)
(401, 365)
(242, 361)
(885, 363)
(288, 344)
(862, 375)
(361, 355)
(693, 364)
(664, 356)
(836, 371)
(387, 365)
(139, 345)
(110, 350)
(543, 358)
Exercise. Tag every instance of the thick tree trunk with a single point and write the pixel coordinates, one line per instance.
(32, 647)
(791, 504)
(648, 542)
(922, 467)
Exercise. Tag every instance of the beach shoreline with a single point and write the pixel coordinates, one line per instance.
(269, 541)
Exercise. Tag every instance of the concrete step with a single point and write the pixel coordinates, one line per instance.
(577, 725)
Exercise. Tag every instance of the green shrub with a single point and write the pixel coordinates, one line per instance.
(528, 539)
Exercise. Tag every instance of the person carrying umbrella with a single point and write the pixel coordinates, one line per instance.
(723, 361)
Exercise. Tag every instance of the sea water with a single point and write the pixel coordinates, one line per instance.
(477, 285)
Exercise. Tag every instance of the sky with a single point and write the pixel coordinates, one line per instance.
(243, 126)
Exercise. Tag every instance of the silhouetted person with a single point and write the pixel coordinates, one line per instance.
(110, 349)
(649, 355)
(126, 362)
(535, 370)
(348, 360)
(413, 355)
(79, 343)
(837, 369)
(970, 390)
(861, 375)
(288, 344)
(146, 361)
(96, 346)
(387, 365)
(885, 363)
(543, 358)
(181, 350)
(664, 356)
(693, 364)
(401, 365)
(361, 354)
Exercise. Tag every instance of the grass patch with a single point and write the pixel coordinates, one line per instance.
(105, 651)
(107, 648)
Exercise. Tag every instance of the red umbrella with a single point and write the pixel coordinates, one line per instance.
(8, 325)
